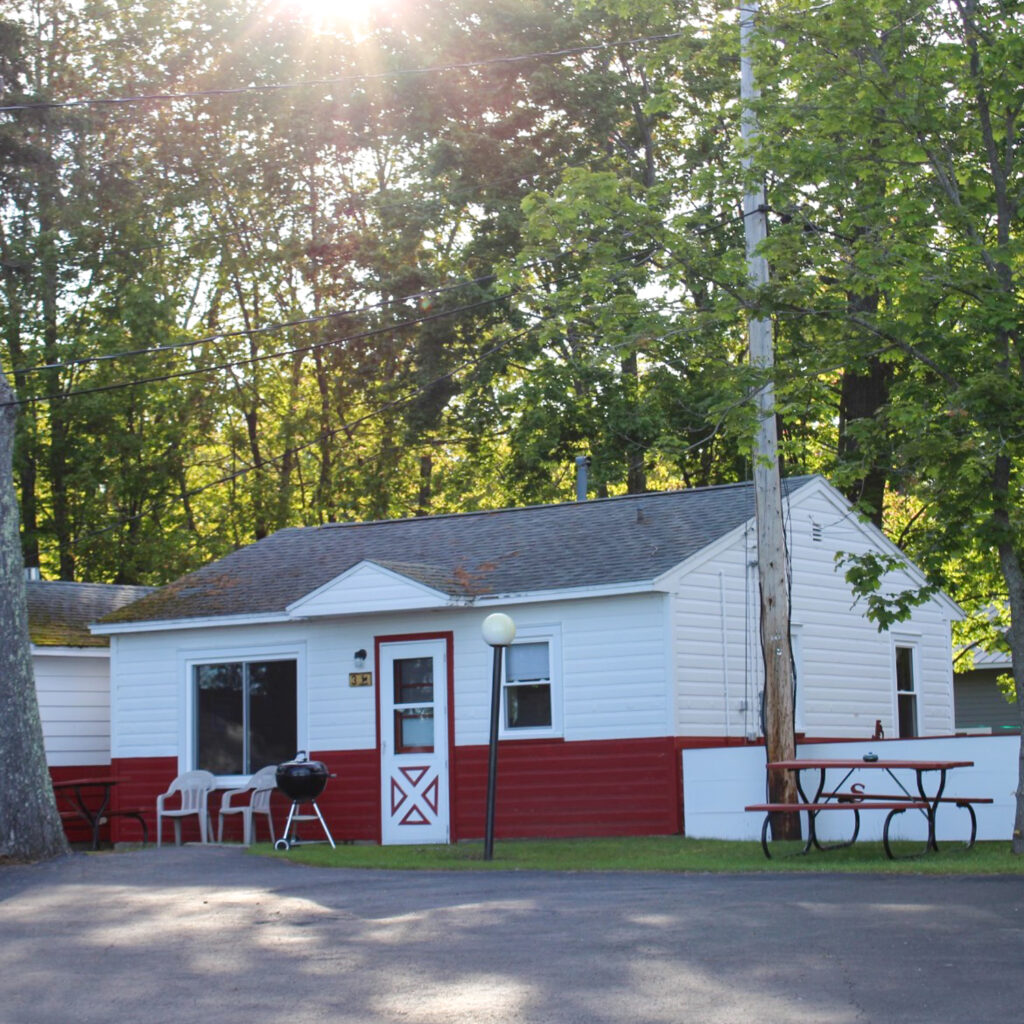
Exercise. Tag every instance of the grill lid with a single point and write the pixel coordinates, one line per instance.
(300, 778)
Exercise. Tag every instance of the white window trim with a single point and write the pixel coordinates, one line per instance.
(553, 636)
(188, 660)
(910, 643)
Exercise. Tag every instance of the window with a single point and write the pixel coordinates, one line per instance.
(906, 693)
(530, 703)
(414, 705)
(245, 715)
(527, 686)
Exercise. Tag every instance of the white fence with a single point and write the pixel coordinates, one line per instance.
(719, 782)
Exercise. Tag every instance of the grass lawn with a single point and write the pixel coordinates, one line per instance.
(651, 853)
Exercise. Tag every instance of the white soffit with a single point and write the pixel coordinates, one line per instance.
(368, 587)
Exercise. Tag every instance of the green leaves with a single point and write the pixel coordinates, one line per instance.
(866, 573)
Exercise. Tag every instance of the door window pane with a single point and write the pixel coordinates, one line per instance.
(414, 730)
(414, 680)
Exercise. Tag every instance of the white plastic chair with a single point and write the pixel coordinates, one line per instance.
(194, 789)
(260, 786)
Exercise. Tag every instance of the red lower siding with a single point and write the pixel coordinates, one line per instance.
(349, 804)
(545, 789)
(557, 789)
(141, 780)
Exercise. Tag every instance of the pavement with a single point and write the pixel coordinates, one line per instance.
(212, 934)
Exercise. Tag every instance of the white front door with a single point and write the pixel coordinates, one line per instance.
(414, 742)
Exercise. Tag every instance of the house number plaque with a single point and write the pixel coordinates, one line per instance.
(360, 679)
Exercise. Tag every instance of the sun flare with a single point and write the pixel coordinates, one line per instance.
(353, 17)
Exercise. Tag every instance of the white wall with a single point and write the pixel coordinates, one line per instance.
(719, 782)
(846, 667)
(73, 689)
(614, 672)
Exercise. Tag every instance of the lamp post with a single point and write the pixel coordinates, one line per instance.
(499, 631)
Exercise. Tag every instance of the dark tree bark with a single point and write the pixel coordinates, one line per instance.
(30, 827)
(863, 395)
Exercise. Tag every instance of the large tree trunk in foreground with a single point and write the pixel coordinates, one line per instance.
(30, 827)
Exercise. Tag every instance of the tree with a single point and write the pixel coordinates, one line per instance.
(30, 827)
(918, 266)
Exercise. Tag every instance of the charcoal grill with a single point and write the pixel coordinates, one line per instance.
(302, 781)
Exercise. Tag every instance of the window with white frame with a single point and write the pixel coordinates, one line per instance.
(531, 701)
(906, 692)
(245, 714)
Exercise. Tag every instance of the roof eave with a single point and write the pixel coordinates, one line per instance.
(570, 593)
(199, 622)
(70, 651)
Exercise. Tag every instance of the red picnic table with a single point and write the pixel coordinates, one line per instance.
(88, 800)
(831, 794)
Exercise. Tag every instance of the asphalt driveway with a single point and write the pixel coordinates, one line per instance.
(214, 935)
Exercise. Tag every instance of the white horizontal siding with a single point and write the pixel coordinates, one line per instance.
(613, 670)
(74, 706)
(718, 677)
(848, 678)
(369, 588)
(845, 668)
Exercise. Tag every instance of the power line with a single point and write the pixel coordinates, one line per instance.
(195, 371)
(325, 435)
(256, 331)
(270, 328)
(168, 97)
(370, 200)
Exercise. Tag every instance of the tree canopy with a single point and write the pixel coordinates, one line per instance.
(254, 275)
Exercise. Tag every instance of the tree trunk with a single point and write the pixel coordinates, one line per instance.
(59, 428)
(30, 827)
(772, 566)
(862, 396)
(425, 494)
(1013, 573)
(636, 452)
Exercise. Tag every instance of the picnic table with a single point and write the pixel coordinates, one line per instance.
(88, 800)
(924, 795)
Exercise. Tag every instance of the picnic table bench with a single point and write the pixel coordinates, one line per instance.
(855, 799)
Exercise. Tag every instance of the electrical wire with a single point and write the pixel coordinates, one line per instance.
(252, 360)
(326, 435)
(256, 331)
(167, 97)
(176, 346)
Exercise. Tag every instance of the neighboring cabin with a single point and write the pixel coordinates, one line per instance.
(980, 703)
(72, 670)
(637, 623)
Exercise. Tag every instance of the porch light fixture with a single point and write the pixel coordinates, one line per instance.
(499, 631)
(359, 658)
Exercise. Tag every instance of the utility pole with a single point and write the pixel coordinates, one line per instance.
(779, 735)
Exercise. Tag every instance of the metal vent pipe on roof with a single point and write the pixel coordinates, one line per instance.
(582, 465)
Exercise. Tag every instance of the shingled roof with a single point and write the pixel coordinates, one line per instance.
(536, 549)
(59, 613)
